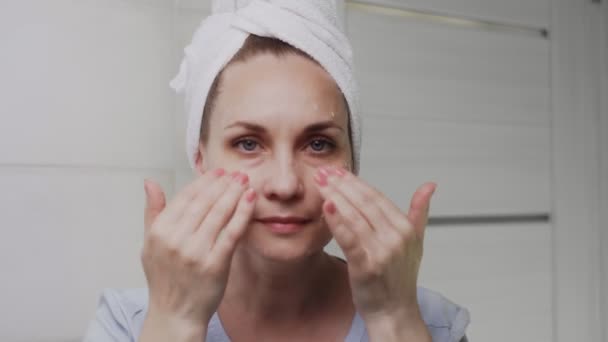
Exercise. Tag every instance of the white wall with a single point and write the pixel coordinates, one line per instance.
(186, 18)
(604, 173)
(469, 109)
(85, 115)
(576, 159)
(507, 122)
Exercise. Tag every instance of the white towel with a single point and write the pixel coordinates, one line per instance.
(309, 25)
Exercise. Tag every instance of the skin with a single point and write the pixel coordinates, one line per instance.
(205, 251)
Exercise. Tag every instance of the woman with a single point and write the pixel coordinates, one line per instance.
(238, 255)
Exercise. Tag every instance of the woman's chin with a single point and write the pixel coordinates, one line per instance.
(286, 244)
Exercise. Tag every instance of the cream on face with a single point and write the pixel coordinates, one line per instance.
(263, 115)
(278, 119)
(251, 142)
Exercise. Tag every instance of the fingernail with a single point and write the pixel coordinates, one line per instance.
(321, 179)
(243, 179)
(251, 195)
(331, 208)
(340, 171)
(323, 171)
(219, 172)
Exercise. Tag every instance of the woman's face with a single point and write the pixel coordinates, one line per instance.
(278, 119)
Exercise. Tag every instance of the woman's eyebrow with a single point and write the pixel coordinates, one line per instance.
(320, 126)
(315, 127)
(248, 125)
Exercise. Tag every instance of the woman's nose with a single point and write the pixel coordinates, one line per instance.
(283, 180)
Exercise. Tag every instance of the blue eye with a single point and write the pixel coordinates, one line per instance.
(320, 145)
(247, 144)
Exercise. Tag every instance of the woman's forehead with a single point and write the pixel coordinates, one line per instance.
(289, 89)
(285, 121)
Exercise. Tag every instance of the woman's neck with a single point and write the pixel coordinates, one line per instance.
(276, 291)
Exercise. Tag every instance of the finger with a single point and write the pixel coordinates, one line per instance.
(345, 237)
(368, 201)
(347, 215)
(391, 211)
(219, 214)
(418, 213)
(198, 208)
(155, 202)
(228, 238)
(175, 208)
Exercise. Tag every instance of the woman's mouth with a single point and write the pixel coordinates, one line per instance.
(284, 224)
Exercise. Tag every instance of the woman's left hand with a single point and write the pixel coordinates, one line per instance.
(383, 247)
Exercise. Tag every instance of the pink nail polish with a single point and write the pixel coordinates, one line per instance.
(219, 172)
(251, 195)
(340, 171)
(234, 174)
(330, 207)
(321, 179)
(324, 171)
(243, 178)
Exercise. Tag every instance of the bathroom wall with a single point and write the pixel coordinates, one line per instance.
(503, 104)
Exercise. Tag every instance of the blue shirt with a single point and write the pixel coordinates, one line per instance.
(120, 316)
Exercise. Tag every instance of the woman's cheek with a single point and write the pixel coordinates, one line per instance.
(233, 161)
(309, 171)
(314, 162)
(254, 168)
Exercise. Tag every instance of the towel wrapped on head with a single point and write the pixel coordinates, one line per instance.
(308, 25)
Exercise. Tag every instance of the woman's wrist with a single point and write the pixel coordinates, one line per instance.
(163, 327)
(405, 325)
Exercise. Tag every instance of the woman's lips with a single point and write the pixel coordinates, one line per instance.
(284, 225)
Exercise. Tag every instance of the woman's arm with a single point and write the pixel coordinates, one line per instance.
(160, 328)
(188, 248)
(383, 246)
(405, 327)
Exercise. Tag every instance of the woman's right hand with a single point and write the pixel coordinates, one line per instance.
(187, 252)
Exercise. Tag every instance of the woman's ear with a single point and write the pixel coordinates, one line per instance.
(201, 166)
